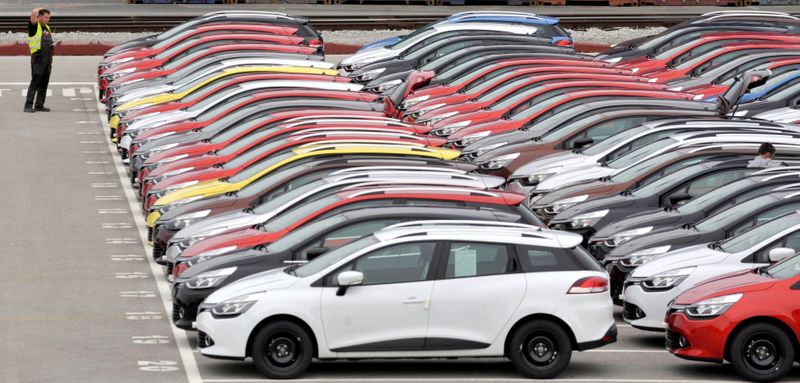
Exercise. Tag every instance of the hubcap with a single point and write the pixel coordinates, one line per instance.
(540, 350)
(761, 352)
(283, 349)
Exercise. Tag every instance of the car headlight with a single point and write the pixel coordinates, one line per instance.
(437, 118)
(202, 257)
(118, 61)
(209, 279)
(498, 162)
(713, 307)
(667, 279)
(384, 86)
(563, 204)
(184, 220)
(450, 128)
(589, 219)
(369, 75)
(413, 101)
(235, 306)
(613, 60)
(177, 171)
(120, 73)
(483, 149)
(535, 178)
(634, 70)
(427, 109)
(627, 235)
(470, 138)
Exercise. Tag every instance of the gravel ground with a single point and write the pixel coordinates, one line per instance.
(591, 35)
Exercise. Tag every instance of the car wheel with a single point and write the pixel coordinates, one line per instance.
(540, 349)
(282, 350)
(761, 352)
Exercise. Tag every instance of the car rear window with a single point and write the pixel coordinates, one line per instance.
(535, 259)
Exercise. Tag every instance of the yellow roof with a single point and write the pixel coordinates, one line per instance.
(216, 187)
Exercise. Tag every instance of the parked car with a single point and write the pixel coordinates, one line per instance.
(435, 321)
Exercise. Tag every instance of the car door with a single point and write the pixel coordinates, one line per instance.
(344, 234)
(762, 217)
(389, 310)
(703, 184)
(478, 288)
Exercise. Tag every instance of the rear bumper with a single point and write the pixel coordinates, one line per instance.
(608, 338)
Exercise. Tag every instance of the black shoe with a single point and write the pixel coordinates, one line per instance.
(42, 109)
(28, 109)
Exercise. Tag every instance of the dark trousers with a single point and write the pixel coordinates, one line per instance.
(40, 78)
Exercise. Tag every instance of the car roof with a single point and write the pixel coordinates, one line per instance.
(502, 232)
(502, 16)
(368, 189)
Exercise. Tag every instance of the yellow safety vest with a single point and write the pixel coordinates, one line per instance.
(35, 41)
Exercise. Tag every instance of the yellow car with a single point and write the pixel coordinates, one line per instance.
(267, 166)
(195, 85)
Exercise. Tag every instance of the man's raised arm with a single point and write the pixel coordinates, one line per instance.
(35, 15)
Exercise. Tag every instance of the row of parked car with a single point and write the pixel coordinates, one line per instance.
(474, 188)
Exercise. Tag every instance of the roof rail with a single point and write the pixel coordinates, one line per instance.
(398, 168)
(743, 11)
(443, 222)
(317, 146)
(787, 187)
(369, 136)
(450, 190)
(776, 169)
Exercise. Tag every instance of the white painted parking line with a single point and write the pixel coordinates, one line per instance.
(84, 110)
(99, 173)
(144, 315)
(100, 185)
(68, 92)
(127, 258)
(164, 289)
(81, 98)
(137, 294)
(2, 90)
(628, 351)
(107, 198)
(592, 380)
(25, 92)
(149, 339)
(96, 162)
(135, 275)
(86, 122)
(121, 241)
(90, 142)
(116, 225)
(88, 134)
(112, 211)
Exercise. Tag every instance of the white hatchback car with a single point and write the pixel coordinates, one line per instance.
(650, 288)
(425, 289)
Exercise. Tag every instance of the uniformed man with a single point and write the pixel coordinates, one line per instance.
(40, 41)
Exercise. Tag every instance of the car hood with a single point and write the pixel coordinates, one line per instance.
(677, 238)
(269, 280)
(610, 202)
(228, 221)
(594, 188)
(158, 119)
(687, 257)
(785, 115)
(573, 174)
(511, 137)
(740, 281)
(379, 44)
(181, 138)
(658, 219)
(369, 56)
(553, 161)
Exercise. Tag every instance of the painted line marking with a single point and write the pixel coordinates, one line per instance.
(137, 294)
(116, 225)
(90, 142)
(164, 290)
(112, 211)
(144, 315)
(85, 122)
(107, 198)
(121, 241)
(84, 110)
(131, 275)
(25, 92)
(88, 133)
(89, 83)
(2, 90)
(81, 98)
(109, 185)
(68, 92)
(126, 258)
(99, 173)
(96, 162)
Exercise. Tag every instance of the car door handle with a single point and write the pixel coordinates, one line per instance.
(415, 301)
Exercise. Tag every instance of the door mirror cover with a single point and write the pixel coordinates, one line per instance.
(581, 142)
(780, 253)
(350, 278)
(676, 199)
(316, 252)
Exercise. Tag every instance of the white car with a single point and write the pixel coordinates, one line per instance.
(651, 287)
(425, 289)
(426, 36)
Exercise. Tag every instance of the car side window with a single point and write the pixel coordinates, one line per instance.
(541, 259)
(345, 235)
(638, 143)
(606, 129)
(763, 217)
(473, 259)
(791, 241)
(710, 182)
(405, 262)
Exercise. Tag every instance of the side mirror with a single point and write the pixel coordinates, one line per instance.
(741, 85)
(677, 199)
(581, 142)
(346, 279)
(780, 253)
(315, 252)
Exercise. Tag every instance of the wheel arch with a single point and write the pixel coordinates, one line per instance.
(764, 319)
(540, 316)
(280, 317)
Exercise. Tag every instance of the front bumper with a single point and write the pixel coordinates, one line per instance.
(704, 339)
(228, 336)
(184, 305)
(652, 306)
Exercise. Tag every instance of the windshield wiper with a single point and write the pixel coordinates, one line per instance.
(290, 270)
(715, 245)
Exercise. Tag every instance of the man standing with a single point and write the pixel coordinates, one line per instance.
(765, 157)
(40, 41)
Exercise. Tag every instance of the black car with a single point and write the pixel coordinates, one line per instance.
(690, 182)
(758, 183)
(273, 185)
(311, 240)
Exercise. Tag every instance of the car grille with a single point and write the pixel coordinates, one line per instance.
(158, 251)
(675, 341)
(149, 233)
(170, 266)
(176, 312)
(631, 311)
(203, 340)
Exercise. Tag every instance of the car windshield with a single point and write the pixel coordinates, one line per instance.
(243, 123)
(706, 201)
(645, 166)
(758, 234)
(303, 233)
(664, 182)
(254, 153)
(334, 256)
(788, 268)
(285, 198)
(635, 155)
(277, 183)
(730, 215)
(784, 92)
(300, 212)
(254, 169)
(200, 94)
(411, 38)
(498, 93)
(614, 141)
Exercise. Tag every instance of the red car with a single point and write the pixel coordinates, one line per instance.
(276, 43)
(300, 119)
(471, 132)
(750, 318)
(468, 93)
(230, 107)
(705, 62)
(490, 71)
(702, 44)
(457, 117)
(265, 144)
(291, 219)
(224, 83)
(202, 31)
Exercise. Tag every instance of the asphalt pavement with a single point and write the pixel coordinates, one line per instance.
(81, 302)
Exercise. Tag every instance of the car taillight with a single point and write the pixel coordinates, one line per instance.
(589, 285)
(314, 43)
(561, 41)
(179, 269)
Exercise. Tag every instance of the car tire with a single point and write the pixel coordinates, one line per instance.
(540, 349)
(282, 350)
(761, 352)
